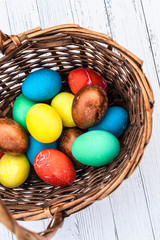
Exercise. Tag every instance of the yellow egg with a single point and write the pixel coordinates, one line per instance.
(14, 170)
(44, 123)
(63, 105)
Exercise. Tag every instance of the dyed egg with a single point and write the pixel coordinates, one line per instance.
(89, 106)
(95, 148)
(63, 105)
(114, 121)
(14, 170)
(54, 167)
(44, 123)
(42, 85)
(65, 143)
(81, 77)
(20, 109)
(1, 154)
(36, 146)
(13, 138)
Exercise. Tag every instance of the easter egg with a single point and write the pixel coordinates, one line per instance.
(14, 170)
(36, 146)
(95, 148)
(41, 85)
(13, 138)
(81, 77)
(89, 106)
(114, 121)
(63, 105)
(54, 167)
(20, 109)
(44, 123)
(65, 143)
(1, 154)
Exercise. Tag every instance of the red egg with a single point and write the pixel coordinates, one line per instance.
(81, 77)
(1, 154)
(54, 167)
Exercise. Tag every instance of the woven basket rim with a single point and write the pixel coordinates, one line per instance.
(11, 46)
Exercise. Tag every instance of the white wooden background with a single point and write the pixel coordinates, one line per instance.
(132, 212)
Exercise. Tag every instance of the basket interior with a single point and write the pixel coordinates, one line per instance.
(64, 52)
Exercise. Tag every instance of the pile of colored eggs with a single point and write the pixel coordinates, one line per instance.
(75, 130)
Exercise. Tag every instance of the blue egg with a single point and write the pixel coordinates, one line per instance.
(114, 121)
(42, 85)
(35, 147)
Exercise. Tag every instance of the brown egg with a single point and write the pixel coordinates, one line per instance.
(65, 143)
(13, 138)
(89, 106)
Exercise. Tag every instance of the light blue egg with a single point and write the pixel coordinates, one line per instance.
(36, 146)
(42, 85)
(114, 121)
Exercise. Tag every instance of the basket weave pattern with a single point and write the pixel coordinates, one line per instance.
(64, 48)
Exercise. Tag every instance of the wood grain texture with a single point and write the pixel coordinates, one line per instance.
(152, 16)
(52, 13)
(133, 211)
(26, 16)
(134, 36)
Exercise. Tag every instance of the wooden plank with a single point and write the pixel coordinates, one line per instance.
(94, 222)
(5, 234)
(23, 15)
(130, 210)
(97, 222)
(152, 17)
(134, 36)
(91, 14)
(52, 13)
(4, 24)
(35, 226)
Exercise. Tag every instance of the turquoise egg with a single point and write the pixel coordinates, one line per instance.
(36, 146)
(114, 121)
(42, 84)
(20, 109)
(95, 148)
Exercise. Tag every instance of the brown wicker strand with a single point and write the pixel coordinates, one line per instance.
(23, 234)
(64, 48)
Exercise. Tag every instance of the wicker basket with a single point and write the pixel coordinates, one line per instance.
(64, 48)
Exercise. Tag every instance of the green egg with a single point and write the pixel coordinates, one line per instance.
(95, 148)
(20, 108)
